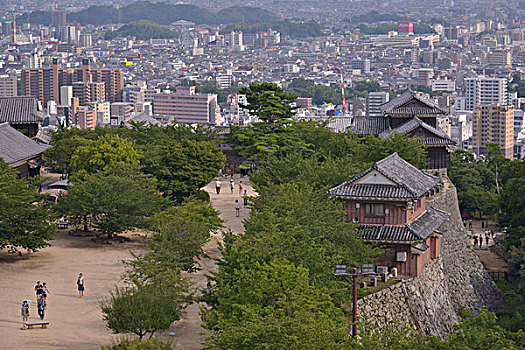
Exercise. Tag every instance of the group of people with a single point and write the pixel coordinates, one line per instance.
(232, 189)
(488, 234)
(42, 292)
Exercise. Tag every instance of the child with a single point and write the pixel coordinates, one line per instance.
(245, 198)
(25, 310)
(232, 185)
(240, 187)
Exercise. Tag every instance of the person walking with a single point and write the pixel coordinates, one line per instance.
(81, 286)
(475, 241)
(240, 187)
(218, 186)
(480, 241)
(245, 198)
(25, 310)
(470, 224)
(39, 288)
(45, 291)
(237, 208)
(232, 185)
(41, 307)
(487, 239)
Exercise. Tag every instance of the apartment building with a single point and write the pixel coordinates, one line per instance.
(45, 83)
(493, 124)
(185, 106)
(374, 100)
(8, 86)
(485, 91)
(86, 118)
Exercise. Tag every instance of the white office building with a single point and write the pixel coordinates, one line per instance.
(8, 86)
(374, 100)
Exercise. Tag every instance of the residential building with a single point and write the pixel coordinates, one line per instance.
(389, 204)
(493, 124)
(485, 91)
(66, 94)
(374, 101)
(45, 83)
(362, 65)
(8, 86)
(86, 118)
(185, 106)
(499, 58)
(58, 19)
(443, 85)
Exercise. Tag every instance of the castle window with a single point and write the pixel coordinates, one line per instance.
(374, 209)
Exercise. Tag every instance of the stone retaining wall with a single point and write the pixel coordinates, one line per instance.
(434, 301)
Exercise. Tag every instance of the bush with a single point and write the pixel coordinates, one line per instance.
(137, 344)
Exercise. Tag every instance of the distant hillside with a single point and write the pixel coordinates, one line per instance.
(293, 29)
(142, 30)
(160, 13)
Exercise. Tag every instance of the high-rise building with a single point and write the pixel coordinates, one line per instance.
(485, 91)
(184, 106)
(374, 100)
(8, 27)
(68, 34)
(58, 19)
(493, 124)
(85, 40)
(8, 86)
(45, 83)
(66, 94)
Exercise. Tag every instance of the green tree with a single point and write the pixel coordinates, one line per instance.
(183, 167)
(273, 306)
(143, 309)
(113, 200)
(24, 223)
(273, 134)
(103, 154)
(59, 156)
(178, 236)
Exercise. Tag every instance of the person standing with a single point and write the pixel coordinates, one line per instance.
(232, 185)
(81, 286)
(218, 186)
(240, 187)
(245, 198)
(487, 238)
(25, 310)
(480, 241)
(39, 289)
(41, 307)
(237, 208)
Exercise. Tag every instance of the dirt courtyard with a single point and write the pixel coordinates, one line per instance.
(75, 323)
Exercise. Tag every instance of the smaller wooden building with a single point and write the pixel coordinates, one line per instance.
(389, 203)
(20, 152)
(22, 113)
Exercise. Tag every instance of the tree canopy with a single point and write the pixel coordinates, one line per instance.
(24, 223)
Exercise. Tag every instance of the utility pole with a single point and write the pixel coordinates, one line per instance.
(341, 270)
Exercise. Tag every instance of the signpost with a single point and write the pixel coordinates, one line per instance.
(368, 269)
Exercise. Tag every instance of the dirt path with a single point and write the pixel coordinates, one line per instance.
(188, 332)
(75, 323)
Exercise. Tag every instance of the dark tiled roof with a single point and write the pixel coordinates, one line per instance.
(371, 191)
(425, 107)
(369, 125)
(399, 171)
(20, 110)
(16, 147)
(387, 233)
(428, 222)
(416, 231)
(441, 138)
